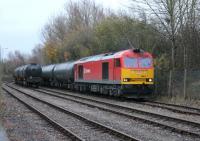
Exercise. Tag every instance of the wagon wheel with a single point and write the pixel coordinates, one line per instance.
(24, 83)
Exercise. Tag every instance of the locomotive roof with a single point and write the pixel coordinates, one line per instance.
(111, 55)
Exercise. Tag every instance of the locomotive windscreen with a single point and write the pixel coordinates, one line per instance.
(137, 62)
(145, 62)
(130, 62)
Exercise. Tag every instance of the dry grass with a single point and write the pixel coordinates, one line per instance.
(1, 97)
(180, 100)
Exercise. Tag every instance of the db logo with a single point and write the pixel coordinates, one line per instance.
(86, 71)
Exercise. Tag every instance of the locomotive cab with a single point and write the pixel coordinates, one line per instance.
(137, 73)
(137, 70)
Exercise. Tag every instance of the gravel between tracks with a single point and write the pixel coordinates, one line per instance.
(22, 124)
(138, 129)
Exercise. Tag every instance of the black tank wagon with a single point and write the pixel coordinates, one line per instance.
(28, 75)
(47, 75)
(63, 74)
(16, 75)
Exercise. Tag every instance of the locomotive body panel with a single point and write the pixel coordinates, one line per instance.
(92, 72)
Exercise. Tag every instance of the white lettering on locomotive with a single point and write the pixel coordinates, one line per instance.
(86, 71)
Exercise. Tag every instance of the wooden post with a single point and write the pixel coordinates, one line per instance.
(185, 84)
(170, 84)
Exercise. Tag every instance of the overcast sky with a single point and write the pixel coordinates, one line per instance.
(21, 21)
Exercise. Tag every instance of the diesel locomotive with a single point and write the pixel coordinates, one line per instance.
(127, 73)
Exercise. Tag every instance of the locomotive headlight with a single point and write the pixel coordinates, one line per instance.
(150, 80)
(126, 79)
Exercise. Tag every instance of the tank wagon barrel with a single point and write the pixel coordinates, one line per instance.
(47, 71)
(64, 73)
(47, 74)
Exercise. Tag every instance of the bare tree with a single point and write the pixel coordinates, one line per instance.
(14, 60)
(37, 55)
(172, 16)
(84, 13)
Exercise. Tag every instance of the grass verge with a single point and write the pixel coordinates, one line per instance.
(180, 100)
(1, 97)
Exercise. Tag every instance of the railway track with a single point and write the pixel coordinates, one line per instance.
(174, 107)
(45, 117)
(155, 119)
(100, 128)
(171, 107)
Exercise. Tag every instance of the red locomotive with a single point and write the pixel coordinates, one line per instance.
(129, 73)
